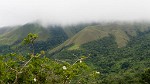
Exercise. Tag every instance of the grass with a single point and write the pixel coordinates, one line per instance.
(74, 47)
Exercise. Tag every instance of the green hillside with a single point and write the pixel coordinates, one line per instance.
(18, 33)
(122, 33)
(49, 37)
(117, 65)
(71, 30)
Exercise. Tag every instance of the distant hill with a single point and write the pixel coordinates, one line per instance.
(11, 35)
(122, 33)
(120, 51)
(49, 37)
(72, 35)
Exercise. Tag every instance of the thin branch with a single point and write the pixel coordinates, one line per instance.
(10, 67)
(26, 63)
(60, 60)
(17, 73)
(76, 62)
(16, 78)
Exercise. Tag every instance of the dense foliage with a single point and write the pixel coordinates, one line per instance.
(117, 65)
(36, 68)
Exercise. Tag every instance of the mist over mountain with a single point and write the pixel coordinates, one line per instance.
(74, 42)
(16, 12)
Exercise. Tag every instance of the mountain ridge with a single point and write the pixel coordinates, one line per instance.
(121, 32)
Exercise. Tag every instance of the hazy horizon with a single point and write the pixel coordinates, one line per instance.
(15, 12)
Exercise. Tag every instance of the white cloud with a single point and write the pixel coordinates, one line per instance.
(14, 12)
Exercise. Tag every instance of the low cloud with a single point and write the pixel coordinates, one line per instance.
(14, 12)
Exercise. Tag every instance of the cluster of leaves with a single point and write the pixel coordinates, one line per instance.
(30, 38)
(38, 69)
(146, 76)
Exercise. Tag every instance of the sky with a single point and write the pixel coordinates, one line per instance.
(15, 12)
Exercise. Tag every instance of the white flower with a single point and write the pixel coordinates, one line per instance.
(64, 67)
(34, 79)
(80, 61)
(97, 72)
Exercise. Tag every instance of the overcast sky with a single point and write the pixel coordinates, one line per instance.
(14, 12)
